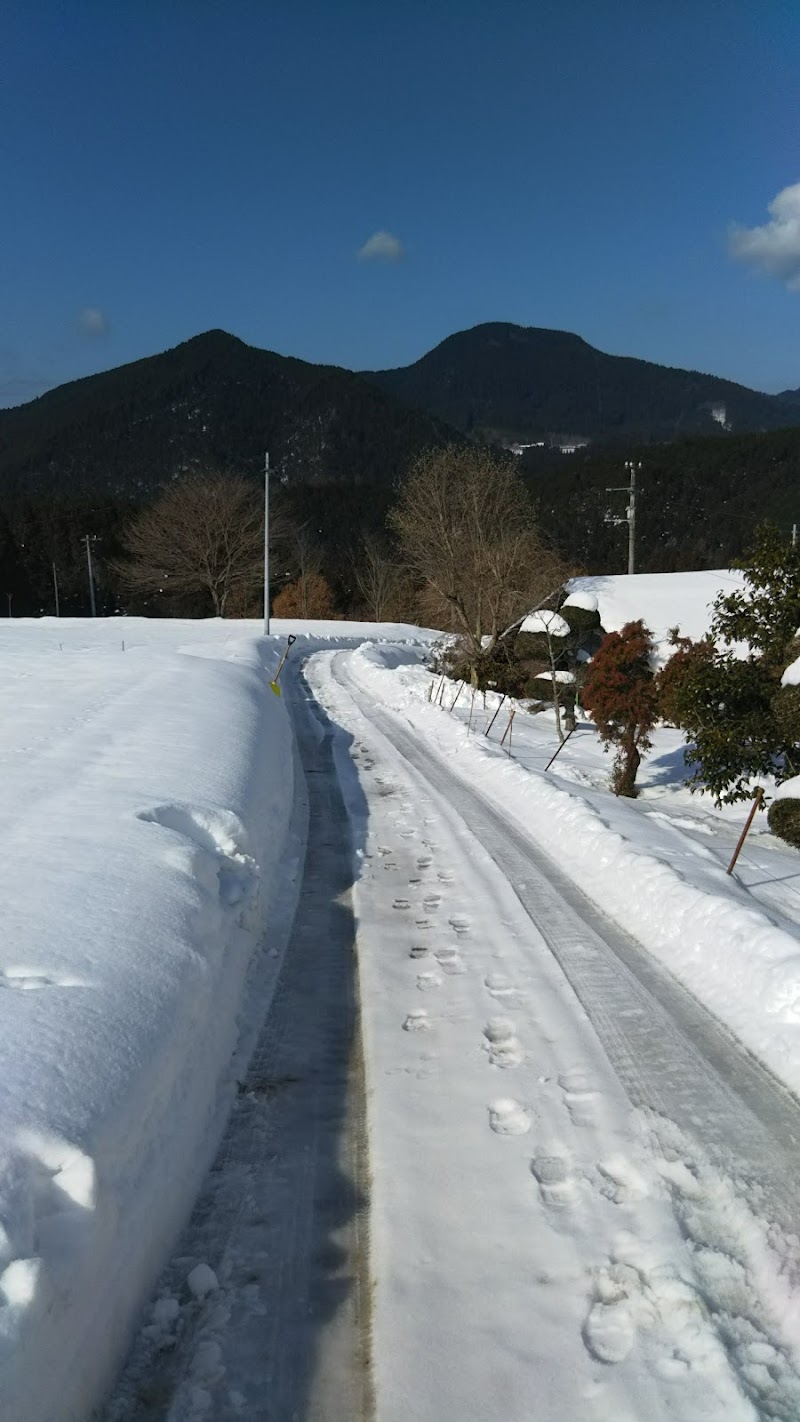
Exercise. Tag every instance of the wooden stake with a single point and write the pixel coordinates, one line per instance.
(509, 728)
(495, 716)
(471, 709)
(749, 821)
(455, 698)
(560, 747)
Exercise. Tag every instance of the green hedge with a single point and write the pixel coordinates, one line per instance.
(783, 818)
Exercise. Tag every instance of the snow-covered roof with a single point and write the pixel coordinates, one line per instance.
(662, 600)
(565, 676)
(544, 621)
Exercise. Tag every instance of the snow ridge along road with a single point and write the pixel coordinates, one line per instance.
(262, 1315)
(720, 1133)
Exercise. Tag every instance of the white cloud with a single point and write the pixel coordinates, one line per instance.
(381, 247)
(93, 322)
(775, 247)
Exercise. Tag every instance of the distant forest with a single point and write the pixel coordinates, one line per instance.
(698, 500)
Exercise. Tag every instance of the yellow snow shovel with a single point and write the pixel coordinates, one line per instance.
(274, 684)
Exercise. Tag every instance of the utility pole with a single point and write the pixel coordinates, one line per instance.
(55, 588)
(9, 596)
(91, 576)
(629, 516)
(266, 545)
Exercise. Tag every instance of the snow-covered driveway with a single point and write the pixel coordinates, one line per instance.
(584, 1192)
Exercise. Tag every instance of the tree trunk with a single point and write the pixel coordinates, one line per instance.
(554, 680)
(626, 784)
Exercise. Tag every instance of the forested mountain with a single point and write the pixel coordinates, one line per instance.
(212, 399)
(82, 458)
(526, 383)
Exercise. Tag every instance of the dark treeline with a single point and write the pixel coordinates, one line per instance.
(699, 500)
(40, 531)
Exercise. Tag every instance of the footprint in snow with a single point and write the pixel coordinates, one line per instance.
(449, 961)
(401, 904)
(418, 951)
(417, 1021)
(580, 1098)
(502, 988)
(460, 923)
(427, 982)
(508, 1118)
(609, 1332)
(621, 1181)
(501, 1043)
(424, 861)
(558, 1188)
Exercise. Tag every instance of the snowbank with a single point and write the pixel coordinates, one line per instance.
(147, 797)
(688, 913)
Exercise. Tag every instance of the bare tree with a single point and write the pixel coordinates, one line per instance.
(550, 629)
(467, 530)
(378, 577)
(205, 535)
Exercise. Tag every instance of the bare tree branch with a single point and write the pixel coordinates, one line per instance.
(205, 535)
(467, 530)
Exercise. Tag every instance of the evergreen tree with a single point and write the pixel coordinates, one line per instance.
(741, 722)
(620, 694)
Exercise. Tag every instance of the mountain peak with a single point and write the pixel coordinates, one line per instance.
(529, 383)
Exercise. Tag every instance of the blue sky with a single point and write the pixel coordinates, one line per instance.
(168, 166)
